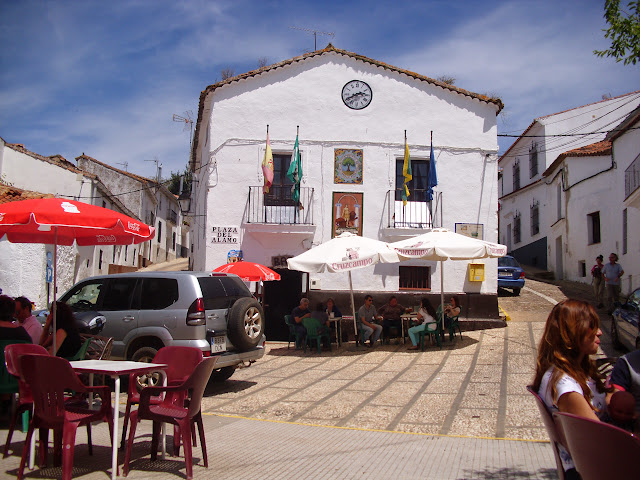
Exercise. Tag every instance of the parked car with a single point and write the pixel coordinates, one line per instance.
(86, 322)
(624, 323)
(145, 311)
(510, 274)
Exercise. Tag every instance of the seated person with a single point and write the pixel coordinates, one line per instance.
(320, 314)
(390, 313)
(625, 377)
(333, 308)
(366, 321)
(426, 314)
(27, 320)
(68, 339)
(8, 329)
(298, 313)
(451, 310)
(622, 410)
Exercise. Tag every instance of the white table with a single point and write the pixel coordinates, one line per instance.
(407, 317)
(336, 323)
(115, 368)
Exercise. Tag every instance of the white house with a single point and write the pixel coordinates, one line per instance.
(153, 203)
(352, 113)
(23, 267)
(534, 201)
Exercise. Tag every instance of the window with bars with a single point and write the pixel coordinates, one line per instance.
(418, 184)
(533, 160)
(280, 191)
(415, 278)
(516, 176)
(535, 219)
(516, 229)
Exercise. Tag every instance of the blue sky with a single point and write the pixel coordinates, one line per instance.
(105, 78)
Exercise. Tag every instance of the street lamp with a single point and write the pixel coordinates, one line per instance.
(185, 202)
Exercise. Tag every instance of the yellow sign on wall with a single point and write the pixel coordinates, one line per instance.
(476, 272)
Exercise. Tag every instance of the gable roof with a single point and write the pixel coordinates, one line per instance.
(628, 123)
(57, 160)
(597, 149)
(330, 49)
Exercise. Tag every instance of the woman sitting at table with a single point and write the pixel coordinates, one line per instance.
(451, 310)
(426, 315)
(68, 340)
(566, 378)
(332, 308)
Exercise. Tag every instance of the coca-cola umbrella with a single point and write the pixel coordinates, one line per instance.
(58, 221)
(248, 271)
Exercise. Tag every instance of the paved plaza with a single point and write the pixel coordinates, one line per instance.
(456, 413)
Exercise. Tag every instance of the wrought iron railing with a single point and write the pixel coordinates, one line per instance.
(632, 177)
(278, 206)
(172, 216)
(415, 214)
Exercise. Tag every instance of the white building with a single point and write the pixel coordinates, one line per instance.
(153, 203)
(538, 202)
(22, 266)
(352, 113)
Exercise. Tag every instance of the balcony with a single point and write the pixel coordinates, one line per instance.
(172, 216)
(278, 206)
(632, 178)
(401, 221)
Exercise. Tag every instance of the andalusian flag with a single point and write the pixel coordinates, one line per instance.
(406, 172)
(267, 167)
(295, 171)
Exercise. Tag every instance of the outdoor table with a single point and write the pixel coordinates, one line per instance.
(408, 317)
(336, 323)
(115, 368)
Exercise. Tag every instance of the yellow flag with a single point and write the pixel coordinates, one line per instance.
(406, 172)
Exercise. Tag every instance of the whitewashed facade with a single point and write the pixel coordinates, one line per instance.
(305, 92)
(536, 208)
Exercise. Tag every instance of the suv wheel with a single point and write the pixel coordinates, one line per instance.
(146, 354)
(222, 374)
(615, 338)
(246, 323)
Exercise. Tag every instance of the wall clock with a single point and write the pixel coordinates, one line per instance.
(357, 94)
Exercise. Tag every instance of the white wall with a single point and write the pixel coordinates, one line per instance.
(308, 94)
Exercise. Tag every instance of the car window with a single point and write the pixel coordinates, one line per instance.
(235, 287)
(158, 293)
(84, 296)
(634, 298)
(118, 294)
(213, 293)
(508, 262)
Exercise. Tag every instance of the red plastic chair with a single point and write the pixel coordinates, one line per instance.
(25, 399)
(179, 415)
(48, 378)
(555, 435)
(181, 361)
(601, 451)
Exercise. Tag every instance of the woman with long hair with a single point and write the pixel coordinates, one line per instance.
(426, 314)
(68, 340)
(566, 377)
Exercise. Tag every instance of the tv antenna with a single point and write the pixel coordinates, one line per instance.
(187, 119)
(124, 164)
(315, 35)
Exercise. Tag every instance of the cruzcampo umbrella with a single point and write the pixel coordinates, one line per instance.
(441, 244)
(58, 221)
(248, 271)
(344, 253)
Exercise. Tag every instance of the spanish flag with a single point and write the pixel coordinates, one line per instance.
(267, 167)
(406, 172)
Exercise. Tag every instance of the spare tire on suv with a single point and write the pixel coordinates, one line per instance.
(246, 323)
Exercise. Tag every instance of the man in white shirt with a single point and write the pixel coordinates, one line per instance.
(28, 321)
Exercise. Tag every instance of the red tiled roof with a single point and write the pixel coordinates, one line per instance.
(331, 49)
(13, 194)
(597, 149)
(139, 178)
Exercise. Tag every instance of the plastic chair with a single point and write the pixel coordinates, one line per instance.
(8, 382)
(293, 334)
(453, 324)
(181, 361)
(99, 348)
(600, 450)
(168, 411)
(432, 330)
(80, 354)
(555, 435)
(25, 399)
(48, 378)
(316, 331)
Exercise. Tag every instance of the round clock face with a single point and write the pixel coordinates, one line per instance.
(356, 94)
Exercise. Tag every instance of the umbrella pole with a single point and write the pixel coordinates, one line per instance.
(55, 277)
(353, 308)
(442, 291)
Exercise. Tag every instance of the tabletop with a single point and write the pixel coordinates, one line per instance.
(115, 367)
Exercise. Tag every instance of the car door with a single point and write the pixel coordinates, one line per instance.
(628, 320)
(116, 303)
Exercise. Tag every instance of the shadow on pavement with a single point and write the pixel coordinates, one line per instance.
(544, 473)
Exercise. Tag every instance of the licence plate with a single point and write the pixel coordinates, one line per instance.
(218, 344)
(505, 274)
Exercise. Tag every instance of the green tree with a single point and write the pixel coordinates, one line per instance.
(173, 183)
(624, 32)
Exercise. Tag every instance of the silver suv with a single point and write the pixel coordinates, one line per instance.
(145, 311)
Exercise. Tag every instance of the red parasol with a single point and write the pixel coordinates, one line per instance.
(57, 221)
(249, 271)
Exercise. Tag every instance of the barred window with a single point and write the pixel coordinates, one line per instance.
(533, 160)
(516, 229)
(535, 219)
(415, 278)
(516, 176)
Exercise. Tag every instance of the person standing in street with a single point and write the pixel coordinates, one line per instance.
(598, 280)
(612, 272)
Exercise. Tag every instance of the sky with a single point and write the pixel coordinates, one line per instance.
(106, 78)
